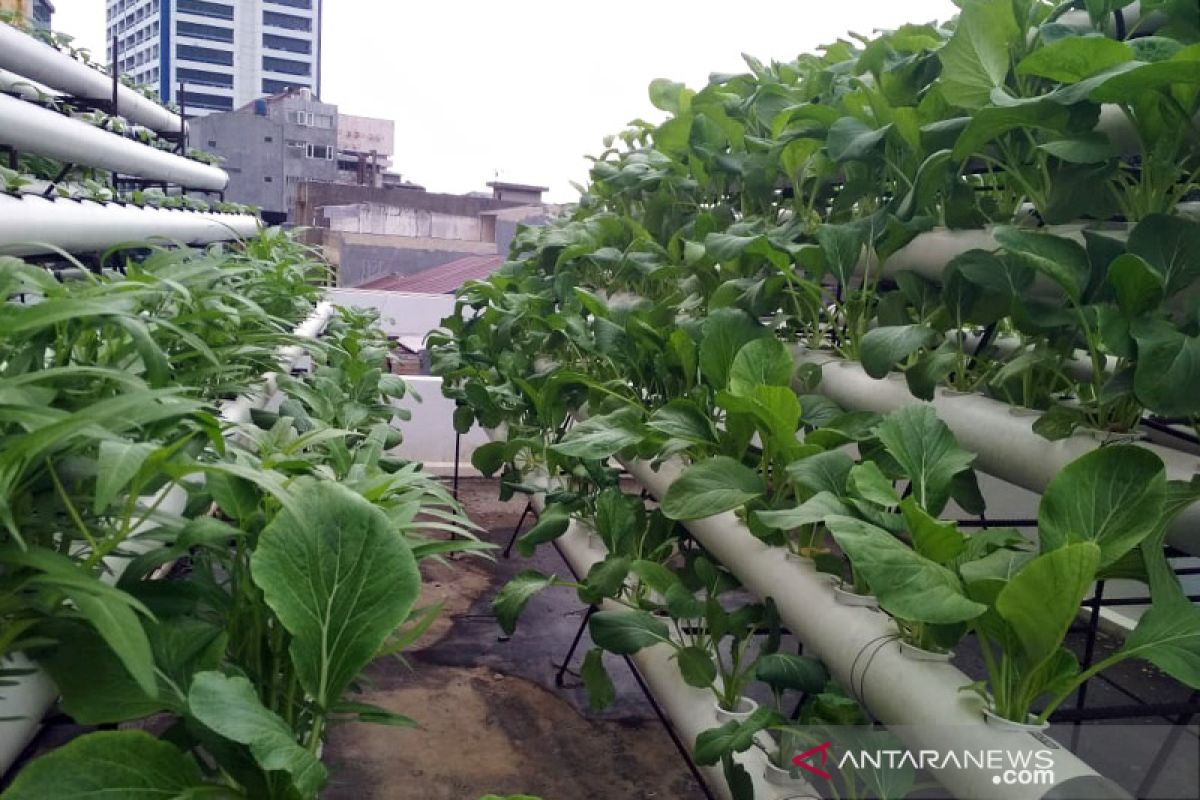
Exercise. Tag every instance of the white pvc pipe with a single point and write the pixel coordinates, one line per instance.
(690, 710)
(922, 703)
(26, 56)
(31, 128)
(31, 225)
(1132, 14)
(238, 411)
(1001, 436)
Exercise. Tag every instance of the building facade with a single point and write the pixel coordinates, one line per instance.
(365, 149)
(37, 12)
(225, 53)
(270, 146)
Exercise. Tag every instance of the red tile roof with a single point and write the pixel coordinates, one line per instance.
(439, 280)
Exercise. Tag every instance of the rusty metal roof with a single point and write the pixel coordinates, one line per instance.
(439, 280)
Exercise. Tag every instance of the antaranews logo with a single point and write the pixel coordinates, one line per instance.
(1008, 767)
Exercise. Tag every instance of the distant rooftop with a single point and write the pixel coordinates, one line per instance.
(439, 280)
(517, 187)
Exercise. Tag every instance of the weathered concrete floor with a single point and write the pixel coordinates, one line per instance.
(491, 718)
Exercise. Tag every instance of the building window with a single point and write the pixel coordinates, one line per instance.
(270, 86)
(293, 3)
(321, 151)
(203, 9)
(274, 42)
(210, 102)
(212, 142)
(304, 118)
(288, 21)
(268, 138)
(205, 55)
(268, 179)
(198, 31)
(202, 77)
(286, 66)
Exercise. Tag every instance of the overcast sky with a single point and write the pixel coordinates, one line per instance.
(528, 87)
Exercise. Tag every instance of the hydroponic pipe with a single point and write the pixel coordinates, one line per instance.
(690, 710)
(921, 702)
(31, 225)
(38, 61)
(1130, 14)
(30, 128)
(238, 411)
(1001, 436)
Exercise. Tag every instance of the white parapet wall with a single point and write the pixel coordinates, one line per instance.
(429, 434)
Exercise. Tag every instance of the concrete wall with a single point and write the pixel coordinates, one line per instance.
(267, 156)
(384, 220)
(314, 198)
(361, 258)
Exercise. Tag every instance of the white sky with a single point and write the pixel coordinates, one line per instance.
(528, 87)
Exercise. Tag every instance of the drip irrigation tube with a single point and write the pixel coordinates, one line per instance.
(921, 702)
(40, 62)
(30, 128)
(1002, 436)
(31, 225)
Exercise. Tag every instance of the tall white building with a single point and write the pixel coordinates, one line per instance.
(226, 52)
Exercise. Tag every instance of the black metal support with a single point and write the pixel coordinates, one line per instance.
(566, 662)
(62, 174)
(517, 530)
(457, 451)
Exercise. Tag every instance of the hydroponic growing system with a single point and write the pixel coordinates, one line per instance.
(173, 388)
(798, 356)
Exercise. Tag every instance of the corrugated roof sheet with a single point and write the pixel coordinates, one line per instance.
(439, 280)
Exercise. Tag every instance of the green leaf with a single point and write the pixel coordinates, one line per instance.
(843, 246)
(340, 577)
(927, 451)
(1041, 601)
(1137, 285)
(489, 457)
(726, 331)
(230, 707)
(940, 542)
(908, 585)
(852, 140)
(119, 461)
(626, 632)
(596, 680)
(711, 487)
(1111, 496)
(1089, 148)
(885, 347)
(109, 764)
(867, 482)
(552, 523)
(236, 496)
(976, 58)
(822, 472)
(601, 436)
(1072, 59)
(1170, 245)
(788, 672)
(669, 96)
(682, 419)
(605, 579)
(512, 598)
(812, 511)
(1168, 368)
(1062, 260)
(696, 666)
(122, 631)
(773, 408)
(1168, 636)
(762, 362)
(732, 737)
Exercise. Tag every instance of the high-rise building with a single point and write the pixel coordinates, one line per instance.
(226, 53)
(37, 12)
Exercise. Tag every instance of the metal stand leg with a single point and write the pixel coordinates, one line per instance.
(1089, 653)
(517, 530)
(562, 668)
(683, 749)
(457, 450)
